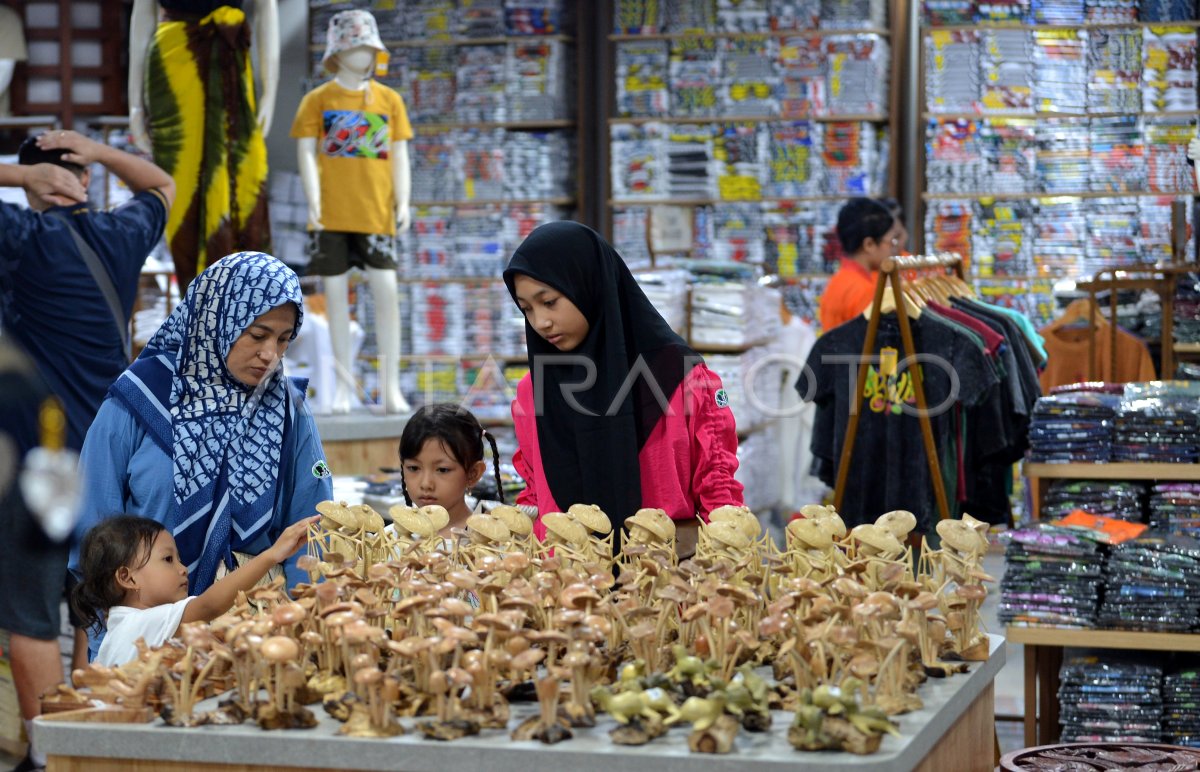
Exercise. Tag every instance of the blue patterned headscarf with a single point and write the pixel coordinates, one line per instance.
(224, 438)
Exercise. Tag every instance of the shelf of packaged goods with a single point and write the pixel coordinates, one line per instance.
(446, 42)
(790, 33)
(623, 202)
(563, 201)
(1114, 471)
(551, 123)
(1064, 194)
(997, 25)
(847, 118)
(468, 357)
(1040, 116)
(1043, 657)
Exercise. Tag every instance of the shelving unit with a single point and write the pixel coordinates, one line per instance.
(1044, 645)
(793, 111)
(1005, 140)
(1043, 658)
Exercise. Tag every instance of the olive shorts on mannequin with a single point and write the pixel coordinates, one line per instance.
(332, 253)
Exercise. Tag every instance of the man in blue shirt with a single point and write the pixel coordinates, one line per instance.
(53, 308)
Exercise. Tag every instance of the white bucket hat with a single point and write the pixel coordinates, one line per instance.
(347, 30)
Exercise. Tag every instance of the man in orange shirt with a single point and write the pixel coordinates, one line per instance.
(869, 235)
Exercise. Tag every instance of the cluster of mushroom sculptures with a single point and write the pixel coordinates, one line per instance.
(838, 627)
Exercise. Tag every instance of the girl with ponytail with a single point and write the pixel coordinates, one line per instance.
(441, 459)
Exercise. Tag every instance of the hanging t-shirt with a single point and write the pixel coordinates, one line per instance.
(1069, 360)
(888, 469)
(354, 131)
(126, 624)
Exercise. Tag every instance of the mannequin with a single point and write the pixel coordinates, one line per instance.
(12, 50)
(362, 131)
(220, 175)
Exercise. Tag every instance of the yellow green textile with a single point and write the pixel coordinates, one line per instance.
(200, 114)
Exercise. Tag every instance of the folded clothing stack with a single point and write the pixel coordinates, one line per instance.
(1072, 428)
(1110, 702)
(1176, 507)
(1052, 577)
(1108, 498)
(1153, 583)
(1181, 708)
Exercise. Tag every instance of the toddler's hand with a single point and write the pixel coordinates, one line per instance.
(293, 538)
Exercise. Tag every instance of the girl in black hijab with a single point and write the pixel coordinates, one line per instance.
(617, 410)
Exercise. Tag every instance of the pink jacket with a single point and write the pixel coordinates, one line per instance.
(687, 464)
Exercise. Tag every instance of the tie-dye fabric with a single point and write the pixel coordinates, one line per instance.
(224, 439)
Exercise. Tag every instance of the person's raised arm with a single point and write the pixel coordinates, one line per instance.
(52, 183)
(219, 598)
(138, 173)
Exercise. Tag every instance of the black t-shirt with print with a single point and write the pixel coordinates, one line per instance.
(889, 469)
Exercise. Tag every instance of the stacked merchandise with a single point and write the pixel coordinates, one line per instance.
(1110, 702)
(744, 15)
(534, 17)
(468, 241)
(1117, 158)
(953, 161)
(752, 382)
(800, 68)
(667, 291)
(1009, 146)
(480, 19)
(478, 163)
(1060, 235)
(1061, 64)
(739, 150)
(537, 164)
(1058, 11)
(1052, 577)
(691, 170)
(1181, 708)
(1106, 498)
(952, 59)
(429, 89)
(944, 12)
(695, 71)
(1187, 308)
(431, 157)
(948, 227)
(1063, 148)
(1153, 583)
(855, 159)
(1011, 11)
(479, 93)
(749, 81)
(1112, 234)
(793, 159)
(1168, 69)
(289, 218)
(637, 17)
(478, 249)
(1175, 507)
(636, 166)
(1007, 71)
(537, 87)
(1165, 142)
(794, 14)
(1156, 429)
(1114, 66)
(1166, 10)
(1111, 11)
(1072, 428)
(1155, 217)
(732, 314)
(629, 236)
(737, 234)
(858, 74)
(1000, 244)
(853, 14)
(641, 85)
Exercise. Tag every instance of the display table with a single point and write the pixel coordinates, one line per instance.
(953, 731)
(1043, 659)
(361, 442)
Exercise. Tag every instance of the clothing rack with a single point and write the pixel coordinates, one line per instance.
(892, 273)
(1162, 279)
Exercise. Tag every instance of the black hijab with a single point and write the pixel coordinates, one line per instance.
(592, 457)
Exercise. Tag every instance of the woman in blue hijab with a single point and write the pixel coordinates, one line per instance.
(203, 432)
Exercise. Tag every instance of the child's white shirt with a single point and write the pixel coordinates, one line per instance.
(126, 624)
